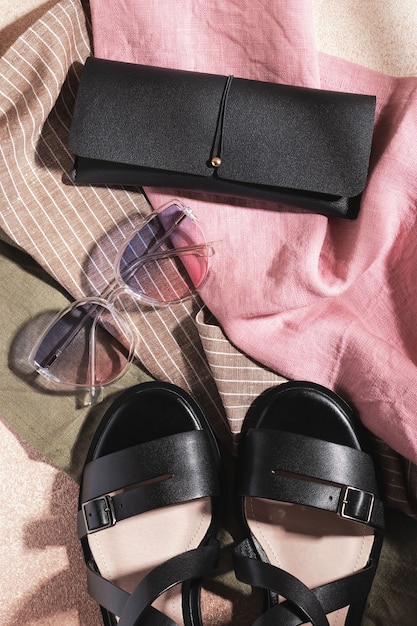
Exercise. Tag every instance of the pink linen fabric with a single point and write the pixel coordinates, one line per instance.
(309, 297)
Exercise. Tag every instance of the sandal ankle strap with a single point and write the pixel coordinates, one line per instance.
(194, 564)
(302, 604)
(172, 476)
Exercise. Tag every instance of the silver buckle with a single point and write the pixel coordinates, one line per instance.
(345, 502)
(107, 507)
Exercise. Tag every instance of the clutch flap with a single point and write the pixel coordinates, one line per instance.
(269, 135)
(146, 116)
(297, 138)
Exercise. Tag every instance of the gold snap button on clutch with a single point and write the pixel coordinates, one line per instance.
(216, 161)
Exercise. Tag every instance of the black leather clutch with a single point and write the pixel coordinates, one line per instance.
(149, 126)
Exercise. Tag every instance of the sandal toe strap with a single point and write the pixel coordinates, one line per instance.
(340, 479)
(159, 473)
(131, 608)
(302, 604)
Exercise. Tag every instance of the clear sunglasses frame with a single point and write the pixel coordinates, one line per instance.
(79, 325)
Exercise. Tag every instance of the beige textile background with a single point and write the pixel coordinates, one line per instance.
(16, 17)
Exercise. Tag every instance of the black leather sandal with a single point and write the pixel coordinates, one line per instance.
(150, 508)
(308, 506)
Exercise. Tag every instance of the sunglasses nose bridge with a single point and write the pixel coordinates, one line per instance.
(116, 293)
(107, 293)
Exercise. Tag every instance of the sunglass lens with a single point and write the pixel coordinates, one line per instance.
(168, 279)
(87, 346)
(166, 260)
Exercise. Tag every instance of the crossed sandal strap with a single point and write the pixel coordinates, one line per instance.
(302, 604)
(172, 469)
(136, 606)
(289, 467)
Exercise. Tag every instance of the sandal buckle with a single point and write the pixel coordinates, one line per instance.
(98, 514)
(356, 504)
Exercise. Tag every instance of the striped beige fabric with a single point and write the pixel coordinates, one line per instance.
(239, 380)
(74, 233)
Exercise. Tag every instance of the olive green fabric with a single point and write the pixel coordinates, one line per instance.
(52, 422)
(393, 598)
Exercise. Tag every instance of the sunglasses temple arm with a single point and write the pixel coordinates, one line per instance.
(127, 273)
(167, 253)
(95, 392)
(167, 234)
(149, 256)
(66, 342)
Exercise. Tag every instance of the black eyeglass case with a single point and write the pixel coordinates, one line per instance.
(308, 149)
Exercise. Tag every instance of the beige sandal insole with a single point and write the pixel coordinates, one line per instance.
(128, 551)
(315, 546)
